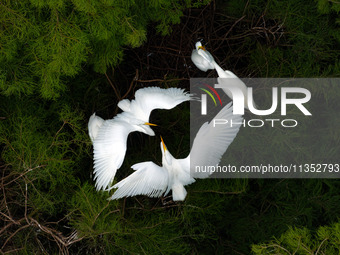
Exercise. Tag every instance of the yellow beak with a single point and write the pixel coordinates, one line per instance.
(201, 47)
(149, 124)
(164, 147)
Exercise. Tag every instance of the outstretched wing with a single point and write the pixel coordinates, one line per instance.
(149, 179)
(109, 150)
(150, 98)
(124, 105)
(211, 142)
(95, 122)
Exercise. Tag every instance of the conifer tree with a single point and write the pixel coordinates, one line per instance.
(326, 240)
(45, 42)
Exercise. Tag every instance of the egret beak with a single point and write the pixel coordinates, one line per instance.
(164, 147)
(201, 47)
(149, 124)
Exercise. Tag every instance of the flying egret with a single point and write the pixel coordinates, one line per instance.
(204, 61)
(209, 145)
(109, 137)
(202, 58)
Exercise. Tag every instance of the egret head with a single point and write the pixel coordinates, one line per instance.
(140, 125)
(167, 157)
(199, 46)
(145, 128)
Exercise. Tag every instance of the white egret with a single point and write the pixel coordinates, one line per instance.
(204, 61)
(208, 147)
(153, 180)
(202, 58)
(109, 137)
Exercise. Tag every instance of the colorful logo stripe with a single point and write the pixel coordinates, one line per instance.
(208, 92)
(214, 91)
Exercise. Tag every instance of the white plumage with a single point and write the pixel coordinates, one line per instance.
(154, 181)
(227, 78)
(202, 58)
(212, 142)
(109, 136)
(208, 147)
(95, 123)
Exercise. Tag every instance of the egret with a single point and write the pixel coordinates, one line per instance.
(202, 58)
(204, 61)
(209, 145)
(109, 137)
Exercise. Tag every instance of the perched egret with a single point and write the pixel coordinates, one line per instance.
(204, 61)
(202, 58)
(109, 137)
(208, 147)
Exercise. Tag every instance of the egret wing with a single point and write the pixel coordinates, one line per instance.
(95, 122)
(212, 142)
(150, 98)
(184, 176)
(149, 179)
(124, 105)
(109, 150)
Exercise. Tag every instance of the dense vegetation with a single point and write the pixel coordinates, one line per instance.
(63, 60)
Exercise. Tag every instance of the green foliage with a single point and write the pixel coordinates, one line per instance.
(42, 43)
(281, 31)
(94, 214)
(44, 147)
(110, 226)
(326, 7)
(326, 240)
